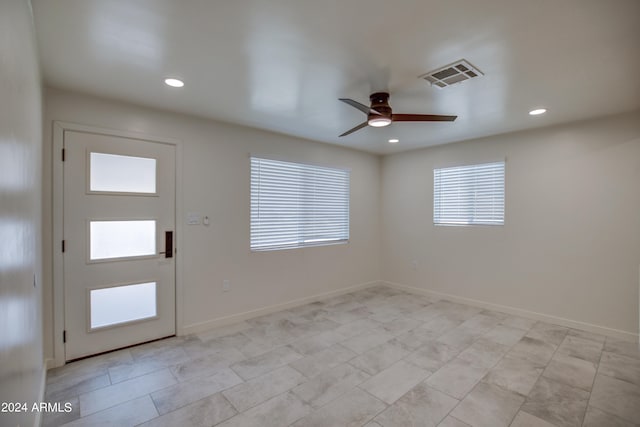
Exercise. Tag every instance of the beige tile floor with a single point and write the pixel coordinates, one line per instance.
(376, 357)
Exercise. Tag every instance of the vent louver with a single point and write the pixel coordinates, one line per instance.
(451, 74)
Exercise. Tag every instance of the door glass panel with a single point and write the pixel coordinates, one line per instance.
(120, 304)
(120, 239)
(122, 174)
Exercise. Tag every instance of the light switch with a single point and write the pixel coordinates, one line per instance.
(193, 218)
(205, 220)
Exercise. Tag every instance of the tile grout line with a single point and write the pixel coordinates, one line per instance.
(502, 388)
(551, 379)
(386, 405)
(593, 383)
(539, 376)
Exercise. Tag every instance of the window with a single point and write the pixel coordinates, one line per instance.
(126, 174)
(122, 304)
(121, 239)
(469, 195)
(295, 205)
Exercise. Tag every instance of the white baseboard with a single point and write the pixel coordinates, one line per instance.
(589, 327)
(222, 321)
(52, 363)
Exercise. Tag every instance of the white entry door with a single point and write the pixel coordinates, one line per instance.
(119, 222)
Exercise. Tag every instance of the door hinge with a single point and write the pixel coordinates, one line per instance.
(64, 336)
(63, 245)
(63, 154)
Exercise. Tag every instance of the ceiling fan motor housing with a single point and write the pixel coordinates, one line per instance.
(380, 103)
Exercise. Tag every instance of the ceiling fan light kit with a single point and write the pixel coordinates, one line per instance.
(380, 114)
(379, 121)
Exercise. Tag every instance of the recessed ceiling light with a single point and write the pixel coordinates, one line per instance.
(537, 111)
(394, 140)
(174, 82)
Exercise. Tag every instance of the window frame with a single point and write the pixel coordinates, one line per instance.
(305, 184)
(472, 221)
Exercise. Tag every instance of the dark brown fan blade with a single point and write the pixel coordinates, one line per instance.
(365, 109)
(422, 118)
(360, 126)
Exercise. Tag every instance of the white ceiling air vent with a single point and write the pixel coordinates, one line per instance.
(453, 73)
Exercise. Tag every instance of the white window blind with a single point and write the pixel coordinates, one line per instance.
(469, 195)
(295, 205)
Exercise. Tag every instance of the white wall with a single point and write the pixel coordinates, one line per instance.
(216, 183)
(21, 369)
(570, 246)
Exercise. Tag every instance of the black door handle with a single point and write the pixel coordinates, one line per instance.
(168, 244)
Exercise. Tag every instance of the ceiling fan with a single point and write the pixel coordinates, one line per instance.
(380, 113)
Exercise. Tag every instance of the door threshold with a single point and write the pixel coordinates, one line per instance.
(117, 349)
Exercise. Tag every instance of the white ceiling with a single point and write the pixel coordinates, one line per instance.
(281, 65)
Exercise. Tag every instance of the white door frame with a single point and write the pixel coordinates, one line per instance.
(58, 210)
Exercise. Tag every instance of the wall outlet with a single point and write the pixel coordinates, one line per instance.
(414, 265)
(226, 285)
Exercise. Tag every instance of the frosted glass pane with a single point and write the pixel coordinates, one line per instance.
(110, 306)
(124, 174)
(118, 239)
